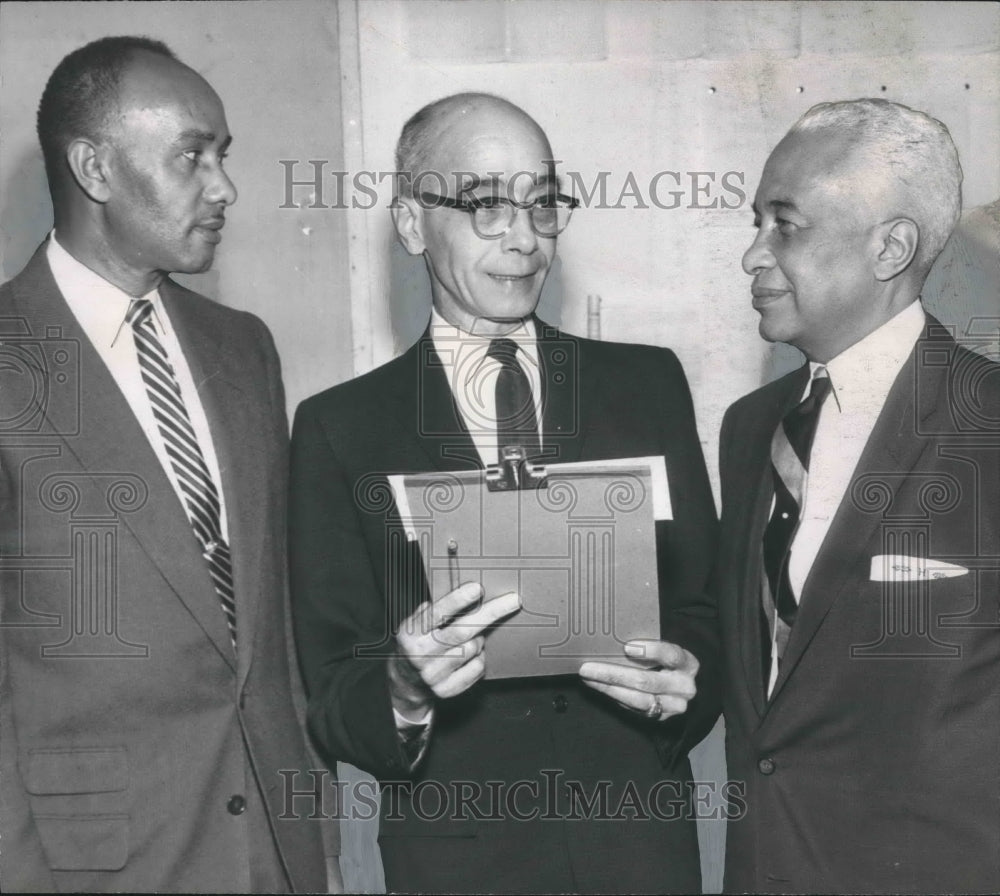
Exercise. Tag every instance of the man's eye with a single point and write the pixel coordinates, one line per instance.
(784, 226)
(551, 201)
(488, 201)
(192, 155)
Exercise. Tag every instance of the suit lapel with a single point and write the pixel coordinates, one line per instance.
(234, 427)
(893, 446)
(441, 434)
(563, 417)
(110, 440)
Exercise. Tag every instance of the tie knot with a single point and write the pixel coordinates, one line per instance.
(138, 312)
(818, 391)
(504, 351)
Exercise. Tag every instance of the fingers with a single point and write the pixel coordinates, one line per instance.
(666, 705)
(659, 692)
(437, 668)
(662, 653)
(440, 611)
(470, 625)
(441, 643)
(447, 615)
(666, 682)
(462, 678)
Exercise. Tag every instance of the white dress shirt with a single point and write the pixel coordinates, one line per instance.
(100, 308)
(472, 377)
(860, 379)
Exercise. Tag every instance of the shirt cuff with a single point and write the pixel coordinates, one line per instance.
(413, 735)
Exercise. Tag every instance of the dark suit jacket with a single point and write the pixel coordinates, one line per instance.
(874, 767)
(138, 752)
(354, 579)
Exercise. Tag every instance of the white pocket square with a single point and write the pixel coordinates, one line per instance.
(899, 568)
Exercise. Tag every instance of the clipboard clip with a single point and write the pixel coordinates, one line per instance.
(515, 472)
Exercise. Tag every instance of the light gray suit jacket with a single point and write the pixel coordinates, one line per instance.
(138, 751)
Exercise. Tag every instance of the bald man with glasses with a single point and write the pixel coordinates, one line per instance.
(558, 783)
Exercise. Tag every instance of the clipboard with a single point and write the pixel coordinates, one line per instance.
(576, 541)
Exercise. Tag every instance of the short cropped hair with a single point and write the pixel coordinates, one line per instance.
(82, 94)
(915, 150)
(427, 128)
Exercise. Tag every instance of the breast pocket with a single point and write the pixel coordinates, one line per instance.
(73, 798)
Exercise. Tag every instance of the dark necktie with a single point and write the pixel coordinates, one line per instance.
(516, 420)
(790, 450)
(201, 497)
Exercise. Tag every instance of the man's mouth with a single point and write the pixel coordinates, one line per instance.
(513, 278)
(211, 228)
(763, 296)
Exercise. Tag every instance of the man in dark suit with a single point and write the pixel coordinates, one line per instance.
(147, 711)
(518, 785)
(858, 570)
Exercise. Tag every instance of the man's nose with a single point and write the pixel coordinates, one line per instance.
(221, 188)
(521, 236)
(758, 257)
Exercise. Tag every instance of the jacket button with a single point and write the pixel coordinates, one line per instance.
(766, 766)
(236, 805)
(560, 703)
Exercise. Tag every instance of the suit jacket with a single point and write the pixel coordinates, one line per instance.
(138, 751)
(874, 766)
(354, 578)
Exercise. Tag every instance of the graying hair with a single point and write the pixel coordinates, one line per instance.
(916, 151)
(427, 127)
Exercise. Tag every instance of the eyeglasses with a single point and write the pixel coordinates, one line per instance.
(493, 216)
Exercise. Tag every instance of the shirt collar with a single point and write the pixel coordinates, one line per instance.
(445, 336)
(97, 303)
(863, 373)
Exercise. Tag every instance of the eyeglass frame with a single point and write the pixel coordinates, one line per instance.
(435, 200)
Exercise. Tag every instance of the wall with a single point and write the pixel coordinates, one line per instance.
(275, 65)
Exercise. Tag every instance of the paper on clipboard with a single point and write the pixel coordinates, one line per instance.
(581, 553)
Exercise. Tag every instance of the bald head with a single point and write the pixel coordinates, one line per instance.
(428, 138)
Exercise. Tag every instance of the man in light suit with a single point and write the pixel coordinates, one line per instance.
(857, 578)
(147, 712)
(480, 201)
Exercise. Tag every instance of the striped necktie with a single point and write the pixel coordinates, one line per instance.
(517, 423)
(201, 497)
(790, 450)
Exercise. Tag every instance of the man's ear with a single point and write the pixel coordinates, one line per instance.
(407, 215)
(897, 241)
(87, 162)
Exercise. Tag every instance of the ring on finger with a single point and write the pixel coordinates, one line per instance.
(655, 709)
